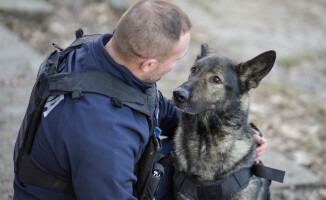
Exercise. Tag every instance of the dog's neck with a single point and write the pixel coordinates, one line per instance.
(220, 120)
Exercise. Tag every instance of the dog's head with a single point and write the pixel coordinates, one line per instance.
(215, 81)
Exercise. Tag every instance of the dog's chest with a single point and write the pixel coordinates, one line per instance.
(201, 156)
(205, 154)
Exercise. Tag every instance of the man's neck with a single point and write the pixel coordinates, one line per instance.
(114, 55)
(131, 66)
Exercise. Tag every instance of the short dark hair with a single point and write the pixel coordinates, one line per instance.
(150, 29)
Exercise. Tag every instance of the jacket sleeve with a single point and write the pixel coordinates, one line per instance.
(169, 117)
(102, 143)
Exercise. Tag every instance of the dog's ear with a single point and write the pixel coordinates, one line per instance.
(205, 50)
(254, 70)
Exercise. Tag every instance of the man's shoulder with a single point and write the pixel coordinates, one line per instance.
(95, 106)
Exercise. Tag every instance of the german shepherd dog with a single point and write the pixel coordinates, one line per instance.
(214, 139)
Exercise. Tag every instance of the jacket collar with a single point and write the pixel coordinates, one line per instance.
(108, 64)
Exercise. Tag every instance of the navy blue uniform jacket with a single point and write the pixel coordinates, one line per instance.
(90, 141)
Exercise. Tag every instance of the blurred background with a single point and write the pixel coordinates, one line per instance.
(289, 106)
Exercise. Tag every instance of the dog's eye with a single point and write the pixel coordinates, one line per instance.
(192, 71)
(216, 79)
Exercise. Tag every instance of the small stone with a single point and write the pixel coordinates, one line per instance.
(120, 6)
(290, 131)
(57, 28)
(322, 194)
(31, 7)
(102, 19)
(302, 158)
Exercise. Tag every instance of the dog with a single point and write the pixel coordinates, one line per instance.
(213, 139)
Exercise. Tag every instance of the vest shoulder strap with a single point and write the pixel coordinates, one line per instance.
(104, 84)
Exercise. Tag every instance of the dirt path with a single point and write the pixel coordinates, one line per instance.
(289, 105)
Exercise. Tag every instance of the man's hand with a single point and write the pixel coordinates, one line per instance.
(262, 146)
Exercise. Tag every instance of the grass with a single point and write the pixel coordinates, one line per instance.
(295, 60)
(291, 94)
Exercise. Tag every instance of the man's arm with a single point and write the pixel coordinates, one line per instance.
(103, 143)
(169, 117)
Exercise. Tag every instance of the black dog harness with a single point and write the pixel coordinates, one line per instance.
(225, 188)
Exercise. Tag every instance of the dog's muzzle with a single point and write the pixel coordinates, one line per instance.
(182, 99)
(180, 95)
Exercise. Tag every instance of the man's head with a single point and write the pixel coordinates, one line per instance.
(150, 33)
(149, 29)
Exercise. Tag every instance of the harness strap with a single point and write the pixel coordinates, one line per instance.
(78, 42)
(167, 160)
(268, 173)
(223, 189)
(220, 189)
(226, 188)
(31, 174)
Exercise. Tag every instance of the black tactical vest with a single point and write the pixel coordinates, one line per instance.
(51, 82)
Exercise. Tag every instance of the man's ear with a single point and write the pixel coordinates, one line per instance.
(148, 65)
(205, 50)
(254, 70)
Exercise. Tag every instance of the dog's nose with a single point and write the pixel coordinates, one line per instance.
(180, 95)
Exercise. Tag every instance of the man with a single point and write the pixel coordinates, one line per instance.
(92, 142)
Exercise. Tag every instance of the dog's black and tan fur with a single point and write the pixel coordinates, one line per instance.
(214, 139)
